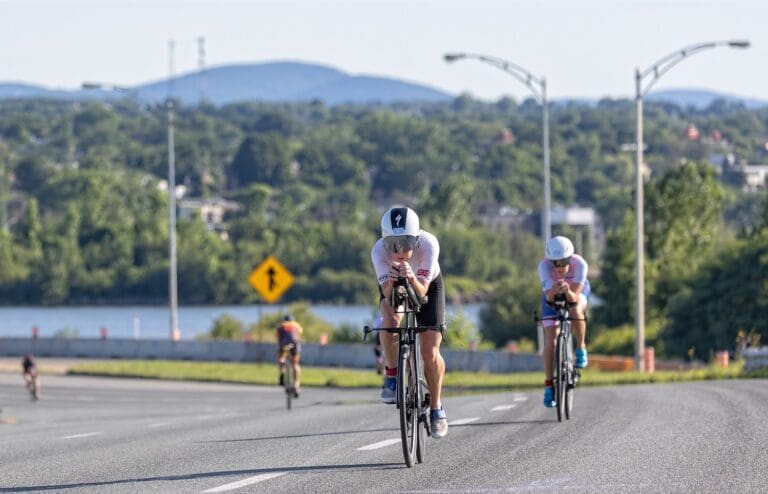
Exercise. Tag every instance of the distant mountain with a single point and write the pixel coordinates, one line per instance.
(298, 81)
(701, 98)
(274, 82)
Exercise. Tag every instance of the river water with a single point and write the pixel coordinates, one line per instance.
(148, 322)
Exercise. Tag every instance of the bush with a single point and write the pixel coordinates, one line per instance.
(226, 327)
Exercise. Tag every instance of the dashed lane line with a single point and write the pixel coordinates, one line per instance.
(78, 436)
(501, 408)
(380, 444)
(463, 421)
(246, 482)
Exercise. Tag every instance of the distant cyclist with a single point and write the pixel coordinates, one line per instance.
(289, 343)
(406, 251)
(562, 272)
(31, 376)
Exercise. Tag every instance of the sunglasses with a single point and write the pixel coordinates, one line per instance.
(400, 244)
(561, 263)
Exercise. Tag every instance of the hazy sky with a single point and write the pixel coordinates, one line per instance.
(584, 48)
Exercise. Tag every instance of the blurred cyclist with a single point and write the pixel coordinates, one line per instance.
(31, 376)
(562, 272)
(289, 343)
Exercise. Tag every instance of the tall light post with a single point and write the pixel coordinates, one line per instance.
(173, 303)
(539, 88)
(653, 73)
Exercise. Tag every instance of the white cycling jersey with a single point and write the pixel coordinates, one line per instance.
(423, 261)
(577, 273)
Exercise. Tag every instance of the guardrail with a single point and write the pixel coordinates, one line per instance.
(359, 356)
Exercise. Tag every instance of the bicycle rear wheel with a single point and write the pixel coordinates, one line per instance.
(422, 406)
(561, 377)
(406, 390)
(288, 384)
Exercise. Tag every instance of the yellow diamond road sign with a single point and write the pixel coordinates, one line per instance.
(271, 279)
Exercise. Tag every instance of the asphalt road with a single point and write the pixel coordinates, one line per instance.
(121, 435)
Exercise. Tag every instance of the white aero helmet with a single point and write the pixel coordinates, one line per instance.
(400, 229)
(558, 248)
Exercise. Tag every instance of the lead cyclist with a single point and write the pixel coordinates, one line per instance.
(404, 250)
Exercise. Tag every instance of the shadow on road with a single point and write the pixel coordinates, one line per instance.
(317, 434)
(205, 475)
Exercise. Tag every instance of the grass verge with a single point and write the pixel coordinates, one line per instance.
(236, 372)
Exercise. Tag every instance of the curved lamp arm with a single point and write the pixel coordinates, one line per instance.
(514, 70)
(662, 66)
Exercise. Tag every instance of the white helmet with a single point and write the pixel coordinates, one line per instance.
(400, 229)
(558, 248)
(399, 221)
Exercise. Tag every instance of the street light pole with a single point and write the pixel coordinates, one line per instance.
(174, 332)
(173, 298)
(539, 88)
(656, 71)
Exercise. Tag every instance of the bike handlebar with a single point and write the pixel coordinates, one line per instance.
(419, 329)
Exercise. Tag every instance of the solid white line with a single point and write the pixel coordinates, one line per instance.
(78, 436)
(380, 444)
(503, 407)
(245, 482)
(463, 421)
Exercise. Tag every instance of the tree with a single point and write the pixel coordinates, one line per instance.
(509, 313)
(722, 299)
(262, 158)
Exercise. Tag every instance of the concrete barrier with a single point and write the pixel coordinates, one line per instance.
(756, 358)
(358, 356)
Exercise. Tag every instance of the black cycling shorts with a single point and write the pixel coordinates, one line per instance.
(433, 312)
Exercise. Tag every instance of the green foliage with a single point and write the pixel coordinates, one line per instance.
(265, 328)
(88, 217)
(226, 327)
(460, 332)
(509, 312)
(721, 300)
(347, 333)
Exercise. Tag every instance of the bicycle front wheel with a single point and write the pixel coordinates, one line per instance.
(561, 377)
(569, 381)
(406, 389)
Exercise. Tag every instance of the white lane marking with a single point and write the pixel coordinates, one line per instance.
(85, 398)
(520, 398)
(78, 436)
(463, 421)
(245, 482)
(503, 407)
(380, 444)
(161, 424)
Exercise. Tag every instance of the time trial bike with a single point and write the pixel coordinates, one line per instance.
(565, 375)
(412, 393)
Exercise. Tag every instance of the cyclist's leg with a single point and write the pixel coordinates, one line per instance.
(295, 358)
(281, 356)
(579, 328)
(551, 329)
(432, 314)
(389, 341)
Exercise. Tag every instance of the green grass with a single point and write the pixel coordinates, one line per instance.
(361, 378)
